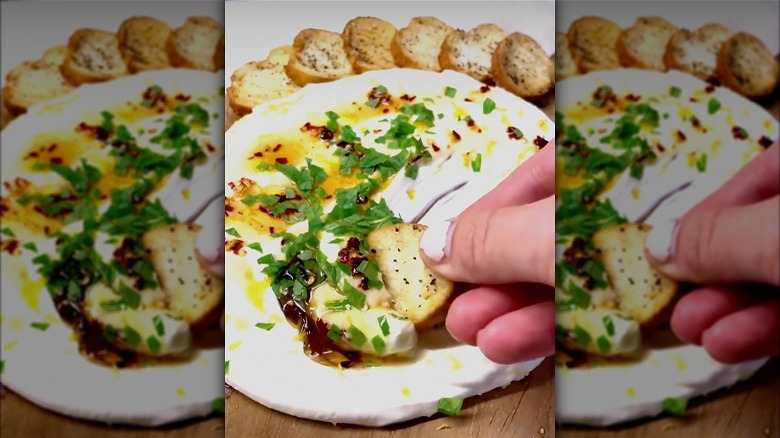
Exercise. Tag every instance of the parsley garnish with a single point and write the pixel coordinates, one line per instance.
(476, 163)
(42, 326)
(701, 163)
(450, 92)
(675, 405)
(713, 106)
(488, 106)
(450, 406)
(267, 326)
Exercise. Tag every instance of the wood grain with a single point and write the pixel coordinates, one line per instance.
(523, 409)
(748, 409)
(22, 419)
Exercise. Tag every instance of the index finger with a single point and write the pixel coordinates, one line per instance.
(531, 181)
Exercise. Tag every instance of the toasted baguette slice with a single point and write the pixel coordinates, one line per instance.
(55, 55)
(33, 82)
(696, 52)
(592, 42)
(565, 66)
(643, 293)
(318, 56)
(418, 293)
(219, 54)
(194, 44)
(260, 81)
(93, 56)
(521, 66)
(471, 52)
(368, 41)
(745, 65)
(419, 43)
(193, 293)
(5, 115)
(142, 41)
(643, 45)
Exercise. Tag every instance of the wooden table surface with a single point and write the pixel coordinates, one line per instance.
(523, 409)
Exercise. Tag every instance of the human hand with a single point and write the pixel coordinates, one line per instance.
(729, 245)
(504, 245)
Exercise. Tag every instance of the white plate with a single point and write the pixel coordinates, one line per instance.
(613, 394)
(46, 367)
(270, 366)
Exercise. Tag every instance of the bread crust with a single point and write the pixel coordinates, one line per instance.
(368, 42)
(745, 65)
(414, 56)
(521, 66)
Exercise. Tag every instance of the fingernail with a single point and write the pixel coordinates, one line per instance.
(209, 244)
(660, 241)
(435, 240)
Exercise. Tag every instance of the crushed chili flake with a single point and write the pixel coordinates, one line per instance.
(633, 98)
(96, 132)
(435, 148)
(739, 133)
(408, 98)
(681, 135)
(512, 133)
(236, 246)
(765, 141)
(456, 135)
(183, 97)
(540, 141)
(709, 88)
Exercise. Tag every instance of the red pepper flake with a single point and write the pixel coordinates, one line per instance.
(739, 133)
(660, 147)
(633, 98)
(55, 160)
(277, 147)
(681, 135)
(468, 99)
(435, 148)
(709, 88)
(10, 246)
(484, 89)
(96, 132)
(258, 154)
(456, 135)
(210, 147)
(183, 97)
(272, 229)
(540, 141)
(408, 98)
(386, 110)
(765, 141)
(695, 122)
(236, 246)
(693, 99)
(281, 160)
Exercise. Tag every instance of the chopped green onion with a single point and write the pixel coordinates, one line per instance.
(488, 106)
(581, 336)
(154, 344)
(42, 326)
(255, 246)
(450, 92)
(227, 366)
(675, 91)
(675, 405)
(373, 103)
(713, 106)
(265, 325)
(356, 336)
(701, 163)
(476, 163)
(450, 406)
(233, 232)
(334, 333)
(131, 336)
(603, 344)
(609, 325)
(379, 344)
(384, 325)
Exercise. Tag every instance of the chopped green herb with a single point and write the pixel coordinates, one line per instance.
(356, 336)
(701, 163)
(373, 103)
(476, 163)
(334, 333)
(379, 344)
(31, 246)
(713, 106)
(450, 92)
(603, 344)
(675, 405)
(227, 366)
(609, 325)
(450, 406)
(131, 336)
(384, 325)
(255, 246)
(267, 326)
(411, 171)
(333, 123)
(675, 91)
(337, 306)
(218, 406)
(109, 333)
(42, 326)
(518, 133)
(7, 232)
(488, 106)
(581, 336)
(154, 344)
(233, 232)
(159, 327)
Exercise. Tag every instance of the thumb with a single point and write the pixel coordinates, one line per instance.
(495, 246)
(712, 246)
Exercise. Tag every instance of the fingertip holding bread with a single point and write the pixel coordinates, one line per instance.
(643, 293)
(418, 293)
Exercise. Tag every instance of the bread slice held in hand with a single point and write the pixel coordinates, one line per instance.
(194, 44)
(193, 293)
(745, 65)
(32, 82)
(142, 41)
(93, 56)
(318, 56)
(418, 293)
(643, 45)
(419, 43)
(471, 52)
(696, 52)
(592, 42)
(260, 81)
(368, 41)
(565, 66)
(643, 293)
(521, 66)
